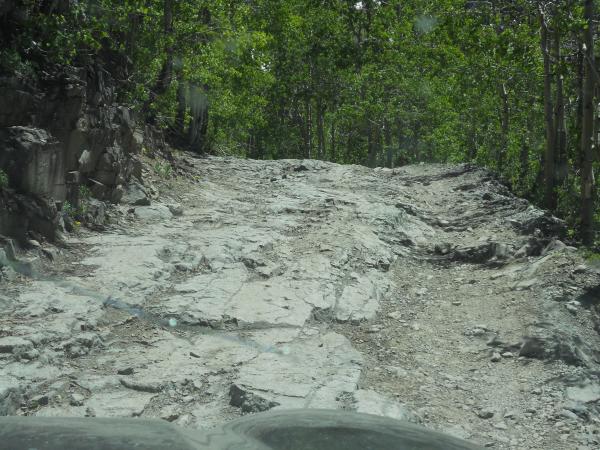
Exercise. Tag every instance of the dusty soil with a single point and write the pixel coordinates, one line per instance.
(425, 293)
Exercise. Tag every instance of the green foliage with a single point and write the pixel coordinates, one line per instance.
(3, 179)
(75, 213)
(371, 82)
(84, 192)
(12, 62)
(163, 170)
(69, 210)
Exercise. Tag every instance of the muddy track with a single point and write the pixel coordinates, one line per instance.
(426, 293)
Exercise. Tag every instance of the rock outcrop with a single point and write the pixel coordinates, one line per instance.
(57, 134)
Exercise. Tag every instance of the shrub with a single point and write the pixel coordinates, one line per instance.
(3, 179)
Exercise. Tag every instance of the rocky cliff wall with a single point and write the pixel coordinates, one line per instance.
(58, 133)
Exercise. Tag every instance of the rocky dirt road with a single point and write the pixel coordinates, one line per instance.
(425, 293)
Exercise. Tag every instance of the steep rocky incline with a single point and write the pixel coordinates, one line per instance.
(425, 293)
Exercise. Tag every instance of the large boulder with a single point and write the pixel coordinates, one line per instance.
(34, 161)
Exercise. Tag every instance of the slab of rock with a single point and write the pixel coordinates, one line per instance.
(359, 301)
(119, 403)
(10, 396)
(135, 194)
(176, 209)
(141, 386)
(585, 394)
(153, 213)
(311, 373)
(371, 402)
(249, 402)
(9, 344)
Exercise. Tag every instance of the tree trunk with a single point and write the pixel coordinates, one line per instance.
(523, 161)
(198, 132)
(179, 128)
(308, 129)
(165, 75)
(587, 131)
(401, 159)
(550, 155)
(320, 129)
(371, 147)
(332, 152)
(559, 119)
(387, 140)
(504, 126)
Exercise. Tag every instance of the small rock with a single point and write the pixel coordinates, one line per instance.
(510, 415)
(486, 414)
(76, 399)
(34, 244)
(249, 401)
(395, 315)
(500, 426)
(153, 213)
(170, 413)
(397, 371)
(183, 267)
(565, 413)
(457, 303)
(495, 341)
(507, 355)
(49, 253)
(39, 400)
(536, 391)
(578, 408)
(585, 394)
(9, 344)
(533, 347)
(176, 209)
(580, 269)
(571, 308)
(141, 386)
(525, 284)
(135, 194)
(496, 357)
(125, 371)
(555, 245)
(28, 354)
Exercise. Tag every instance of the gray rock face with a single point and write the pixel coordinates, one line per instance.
(585, 394)
(63, 131)
(135, 194)
(34, 161)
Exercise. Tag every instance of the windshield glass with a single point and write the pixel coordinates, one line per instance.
(213, 210)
